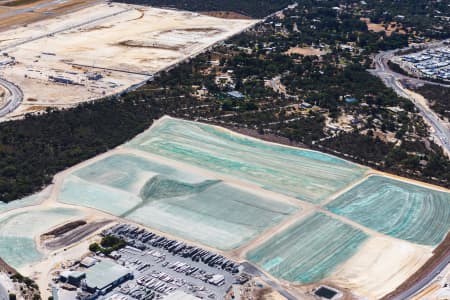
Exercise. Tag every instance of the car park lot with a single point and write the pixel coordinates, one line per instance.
(160, 272)
(160, 268)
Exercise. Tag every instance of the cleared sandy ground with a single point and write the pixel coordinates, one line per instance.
(306, 51)
(18, 13)
(378, 267)
(390, 28)
(124, 44)
(41, 272)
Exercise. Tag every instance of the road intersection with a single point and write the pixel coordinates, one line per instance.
(441, 130)
(16, 97)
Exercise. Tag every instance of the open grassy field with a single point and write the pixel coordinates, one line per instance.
(303, 174)
(398, 209)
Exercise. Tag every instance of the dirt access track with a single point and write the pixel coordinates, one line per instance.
(15, 13)
(102, 49)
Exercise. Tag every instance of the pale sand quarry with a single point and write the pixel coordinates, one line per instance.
(334, 248)
(132, 42)
(380, 265)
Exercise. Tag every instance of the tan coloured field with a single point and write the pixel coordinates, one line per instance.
(306, 51)
(376, 27)
(17, 13)
(123, 43)
(370, 272)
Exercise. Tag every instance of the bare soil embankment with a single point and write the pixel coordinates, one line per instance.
(440, 253)
(65, 228)
(71, 233)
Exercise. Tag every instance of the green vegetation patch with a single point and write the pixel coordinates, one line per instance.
(253, 8)
(108, 244)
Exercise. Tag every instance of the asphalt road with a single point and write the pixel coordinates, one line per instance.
(441, 132)
(252, 270)
(393, 80)
(424, 281)
(12, 12)
(15, 99)
(3, 293)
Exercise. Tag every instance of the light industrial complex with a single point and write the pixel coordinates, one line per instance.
(431, 63)
(149, 267)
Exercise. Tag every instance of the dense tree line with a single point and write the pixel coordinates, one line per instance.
(34, 149)
(426, 17)
(107, 245)
(390, 157)
(439, 97)
(251, 8)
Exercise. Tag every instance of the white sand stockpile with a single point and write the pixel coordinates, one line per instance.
(380, 266)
